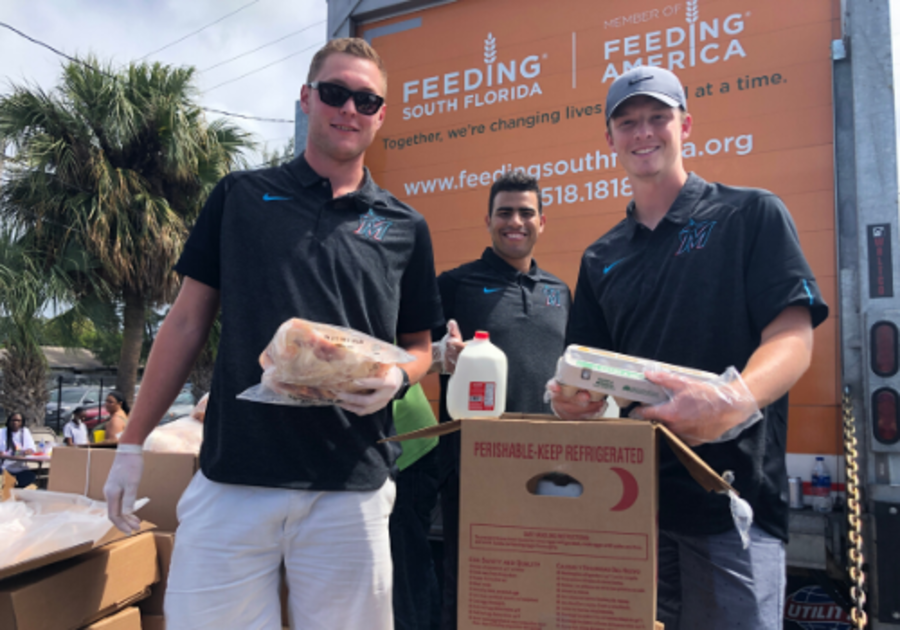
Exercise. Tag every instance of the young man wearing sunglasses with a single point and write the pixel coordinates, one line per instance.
(309, 487)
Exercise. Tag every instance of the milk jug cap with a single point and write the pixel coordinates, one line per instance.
(482, 334)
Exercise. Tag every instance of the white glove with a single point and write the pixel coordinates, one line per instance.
(703, 412)
(570, 403)
(445, 353)
(381, 394)
(122, 486)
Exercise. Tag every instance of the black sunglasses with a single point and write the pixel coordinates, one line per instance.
(336, 95)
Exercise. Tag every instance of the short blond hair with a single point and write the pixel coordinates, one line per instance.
(354, 46)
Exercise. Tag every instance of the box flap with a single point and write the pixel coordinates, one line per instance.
(40, 561)
(445, 428)
(69, 552)
(126, 619)
(699, 469)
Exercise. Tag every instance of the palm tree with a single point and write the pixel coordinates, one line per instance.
(26, 290)
(121, 164)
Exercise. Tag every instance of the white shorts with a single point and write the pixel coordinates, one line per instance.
(232, 540)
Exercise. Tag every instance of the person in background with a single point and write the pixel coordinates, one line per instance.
(709, 277)
(118, 410)
(75, 432)
(417, 597)
(17, 440)
(525, 310)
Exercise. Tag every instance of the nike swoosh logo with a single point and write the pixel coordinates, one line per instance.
(486, 290)
(638, 80)
(606, 270)
(268, 197)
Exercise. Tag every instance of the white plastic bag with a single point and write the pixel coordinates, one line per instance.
(308, 364)
(199, 412)
(39, 522)
(184, 435)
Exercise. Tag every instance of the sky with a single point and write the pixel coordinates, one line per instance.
(121, 31)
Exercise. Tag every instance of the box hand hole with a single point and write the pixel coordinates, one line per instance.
(555, 484)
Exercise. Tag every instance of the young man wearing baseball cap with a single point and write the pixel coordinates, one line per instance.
(711, 277)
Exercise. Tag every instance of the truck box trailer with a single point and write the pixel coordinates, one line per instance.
(793, 97)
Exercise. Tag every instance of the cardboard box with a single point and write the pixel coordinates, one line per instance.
(532, 561)
(165, 543)
(165, 478)
(617, 375)
(76, 592)
(64, 554)
(128, 619)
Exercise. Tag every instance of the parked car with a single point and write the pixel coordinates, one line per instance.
(94, 415)
(62, 407)
(183, 406)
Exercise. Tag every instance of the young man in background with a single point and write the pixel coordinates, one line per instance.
(525, 310)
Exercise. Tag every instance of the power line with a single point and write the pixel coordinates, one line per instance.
(202, 28)
(249, 52)
(112, 76)
(54, 50)
(233, 115)
(268, 65)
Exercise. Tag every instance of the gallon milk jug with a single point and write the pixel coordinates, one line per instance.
(477, 387)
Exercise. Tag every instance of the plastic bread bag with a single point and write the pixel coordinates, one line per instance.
(309, 364)
(184, 435)
(703, 411)
(37, 522)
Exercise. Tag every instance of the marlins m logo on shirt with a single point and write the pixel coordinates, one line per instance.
(552, 295)
(372, 226)
(694, 236)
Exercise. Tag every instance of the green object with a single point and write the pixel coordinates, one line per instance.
(411, 413)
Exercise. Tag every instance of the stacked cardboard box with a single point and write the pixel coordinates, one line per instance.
(165, 478)
(64, 594)
(128, 619)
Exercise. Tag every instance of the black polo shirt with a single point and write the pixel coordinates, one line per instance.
(525, 314)
(698, 291)
(277, 246)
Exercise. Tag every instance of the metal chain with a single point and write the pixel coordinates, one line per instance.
(854, 517)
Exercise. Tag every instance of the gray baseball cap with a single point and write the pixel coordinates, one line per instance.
(652, 81)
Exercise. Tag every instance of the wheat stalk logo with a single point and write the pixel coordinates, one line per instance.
(490, 49)
(691, 14)
(691, 11)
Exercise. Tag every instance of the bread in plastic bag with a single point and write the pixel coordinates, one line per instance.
(309, 364)
(38, 522)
